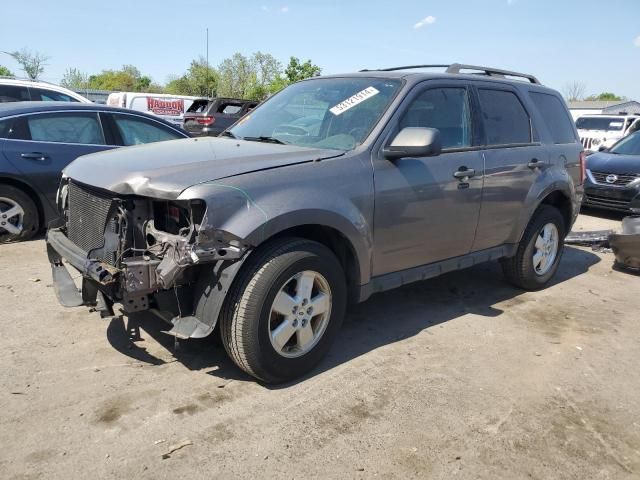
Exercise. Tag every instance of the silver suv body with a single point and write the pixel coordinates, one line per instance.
(334, 189)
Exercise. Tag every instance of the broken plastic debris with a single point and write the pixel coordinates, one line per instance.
(598, 238)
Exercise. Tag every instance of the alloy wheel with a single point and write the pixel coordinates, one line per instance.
(546, 249)
(300, 314)
(11, 216)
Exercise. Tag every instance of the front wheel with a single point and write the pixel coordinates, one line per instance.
(284, 310)
(539, 251)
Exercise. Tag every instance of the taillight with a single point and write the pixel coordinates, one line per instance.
(583, 167)
(208, 120)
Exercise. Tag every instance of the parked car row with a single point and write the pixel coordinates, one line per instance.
(44, 127)
(39, 139)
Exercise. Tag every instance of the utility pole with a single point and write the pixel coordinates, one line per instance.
(207, 75)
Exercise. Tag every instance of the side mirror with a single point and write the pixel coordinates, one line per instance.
(602, 148)
(414, 142)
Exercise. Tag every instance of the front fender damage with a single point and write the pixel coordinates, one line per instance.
(179, 252)
(216, 253)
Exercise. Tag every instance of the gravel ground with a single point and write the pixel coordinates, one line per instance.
(461, 376)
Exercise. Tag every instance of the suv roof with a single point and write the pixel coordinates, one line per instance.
(20, 82)
(454, 70)
(457, 68)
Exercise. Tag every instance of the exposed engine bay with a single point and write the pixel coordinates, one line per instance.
(141, 252)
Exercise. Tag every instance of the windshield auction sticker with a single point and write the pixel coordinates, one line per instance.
(354, 100)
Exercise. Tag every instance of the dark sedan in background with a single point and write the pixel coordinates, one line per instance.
(613, 177)
(39, 139)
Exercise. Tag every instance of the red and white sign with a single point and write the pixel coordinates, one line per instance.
(161, 106)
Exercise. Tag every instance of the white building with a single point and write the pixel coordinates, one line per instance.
(590, 107)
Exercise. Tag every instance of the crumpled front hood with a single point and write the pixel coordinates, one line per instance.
(612, 163)
(164, 169)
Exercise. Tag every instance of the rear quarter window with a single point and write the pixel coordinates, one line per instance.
(506, 121)
(14, 93)
(50, 96)
(555, 116)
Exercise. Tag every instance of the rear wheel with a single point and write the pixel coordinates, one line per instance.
(284, 310)
(539, 251)
(18, 215)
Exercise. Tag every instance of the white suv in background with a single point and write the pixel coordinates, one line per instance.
(15, 90)
(602, 131)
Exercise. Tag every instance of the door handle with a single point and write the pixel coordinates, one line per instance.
(35, 156)
(464, 172)
(535, 163)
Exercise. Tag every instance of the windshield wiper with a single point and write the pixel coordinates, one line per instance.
(264, 139)
(227, 134)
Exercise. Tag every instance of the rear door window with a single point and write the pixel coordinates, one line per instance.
(14, 93)
(137, 130)
(556, 117)
(39, 94)
(506, 121)
(66, 127)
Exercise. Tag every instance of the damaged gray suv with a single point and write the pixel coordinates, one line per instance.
(334, 189)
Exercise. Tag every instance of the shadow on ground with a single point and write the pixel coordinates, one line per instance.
(384, 319)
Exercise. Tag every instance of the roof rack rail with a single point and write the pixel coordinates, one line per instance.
(491, 72)
(408, 67)
(455, 68)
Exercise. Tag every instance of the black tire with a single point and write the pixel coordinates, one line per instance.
(30, 220)
(245, 318)
(519, 269)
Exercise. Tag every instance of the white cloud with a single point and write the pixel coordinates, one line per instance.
(284, 9)
(430, 20)
(636, 42)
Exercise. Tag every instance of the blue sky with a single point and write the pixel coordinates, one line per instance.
(559, 41)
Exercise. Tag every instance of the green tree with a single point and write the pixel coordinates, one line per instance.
(199, 80)
(605, 96)
(237, 77)
(294, 72)
(74, 79)
(5, 72)
(128, 79)
(32, 63)
(297, 71)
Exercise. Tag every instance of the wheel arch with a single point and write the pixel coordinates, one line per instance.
(562, 202)
(558, 194)
(338, 243)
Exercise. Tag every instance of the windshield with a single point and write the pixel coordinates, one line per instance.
(629, 145)
(600, 123)
(333, 113)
